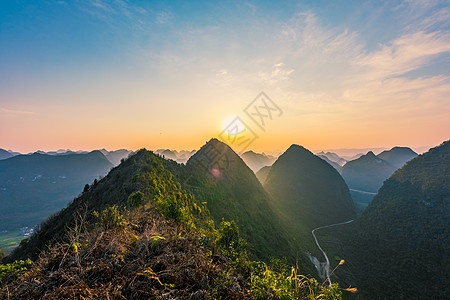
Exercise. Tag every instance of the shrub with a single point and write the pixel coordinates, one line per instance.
(229, 238)
(173, 205)
(269, 285)
(111, 218)
(135, 199)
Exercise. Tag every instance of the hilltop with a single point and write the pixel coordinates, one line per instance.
(397, 156)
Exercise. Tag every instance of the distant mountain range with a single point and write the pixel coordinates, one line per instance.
(334, 157)
(179, 156)
(113, 156)
(256, 161)
(116, 156)
(366, 174)
(5, 154)
(34, 186)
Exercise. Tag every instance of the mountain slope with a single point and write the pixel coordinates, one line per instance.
(401, 243)
(34, 186)
(367, 173)
(309, 191)
(233, 192)
(397, 156)
(263, 173)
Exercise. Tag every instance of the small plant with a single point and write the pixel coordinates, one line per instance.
(111, 218)
(155, 239)
(318, 291)
(13, 270)
(2, 254)
(75, 246)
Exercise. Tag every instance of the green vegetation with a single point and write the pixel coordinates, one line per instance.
(135, 199)
(111, 218)
(11, 271)
(399, 246)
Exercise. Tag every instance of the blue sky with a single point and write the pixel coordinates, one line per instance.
(167, 73)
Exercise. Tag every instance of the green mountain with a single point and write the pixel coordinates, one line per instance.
(232, 191)
(256, 161)
(367, 173)
(397, 156)
(138, 233)
(400, 246)
(34, 186)
(308, 191)
(263, 173)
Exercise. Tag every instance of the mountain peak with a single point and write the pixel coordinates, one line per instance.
(307, 187)
(294, 148)
(370, 154)
(218, 160)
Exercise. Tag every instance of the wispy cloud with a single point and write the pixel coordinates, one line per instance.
(406, 53)
(16, 112)
(163, 17)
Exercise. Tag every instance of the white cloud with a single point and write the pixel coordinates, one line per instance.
(406, 53)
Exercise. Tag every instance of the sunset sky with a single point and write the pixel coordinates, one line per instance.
(167, 74)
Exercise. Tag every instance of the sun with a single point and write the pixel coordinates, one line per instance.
(233, 125)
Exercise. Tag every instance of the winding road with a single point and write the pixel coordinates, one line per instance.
(362, 192)
(327, 266)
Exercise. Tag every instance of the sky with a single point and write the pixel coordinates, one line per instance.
(90, 74)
